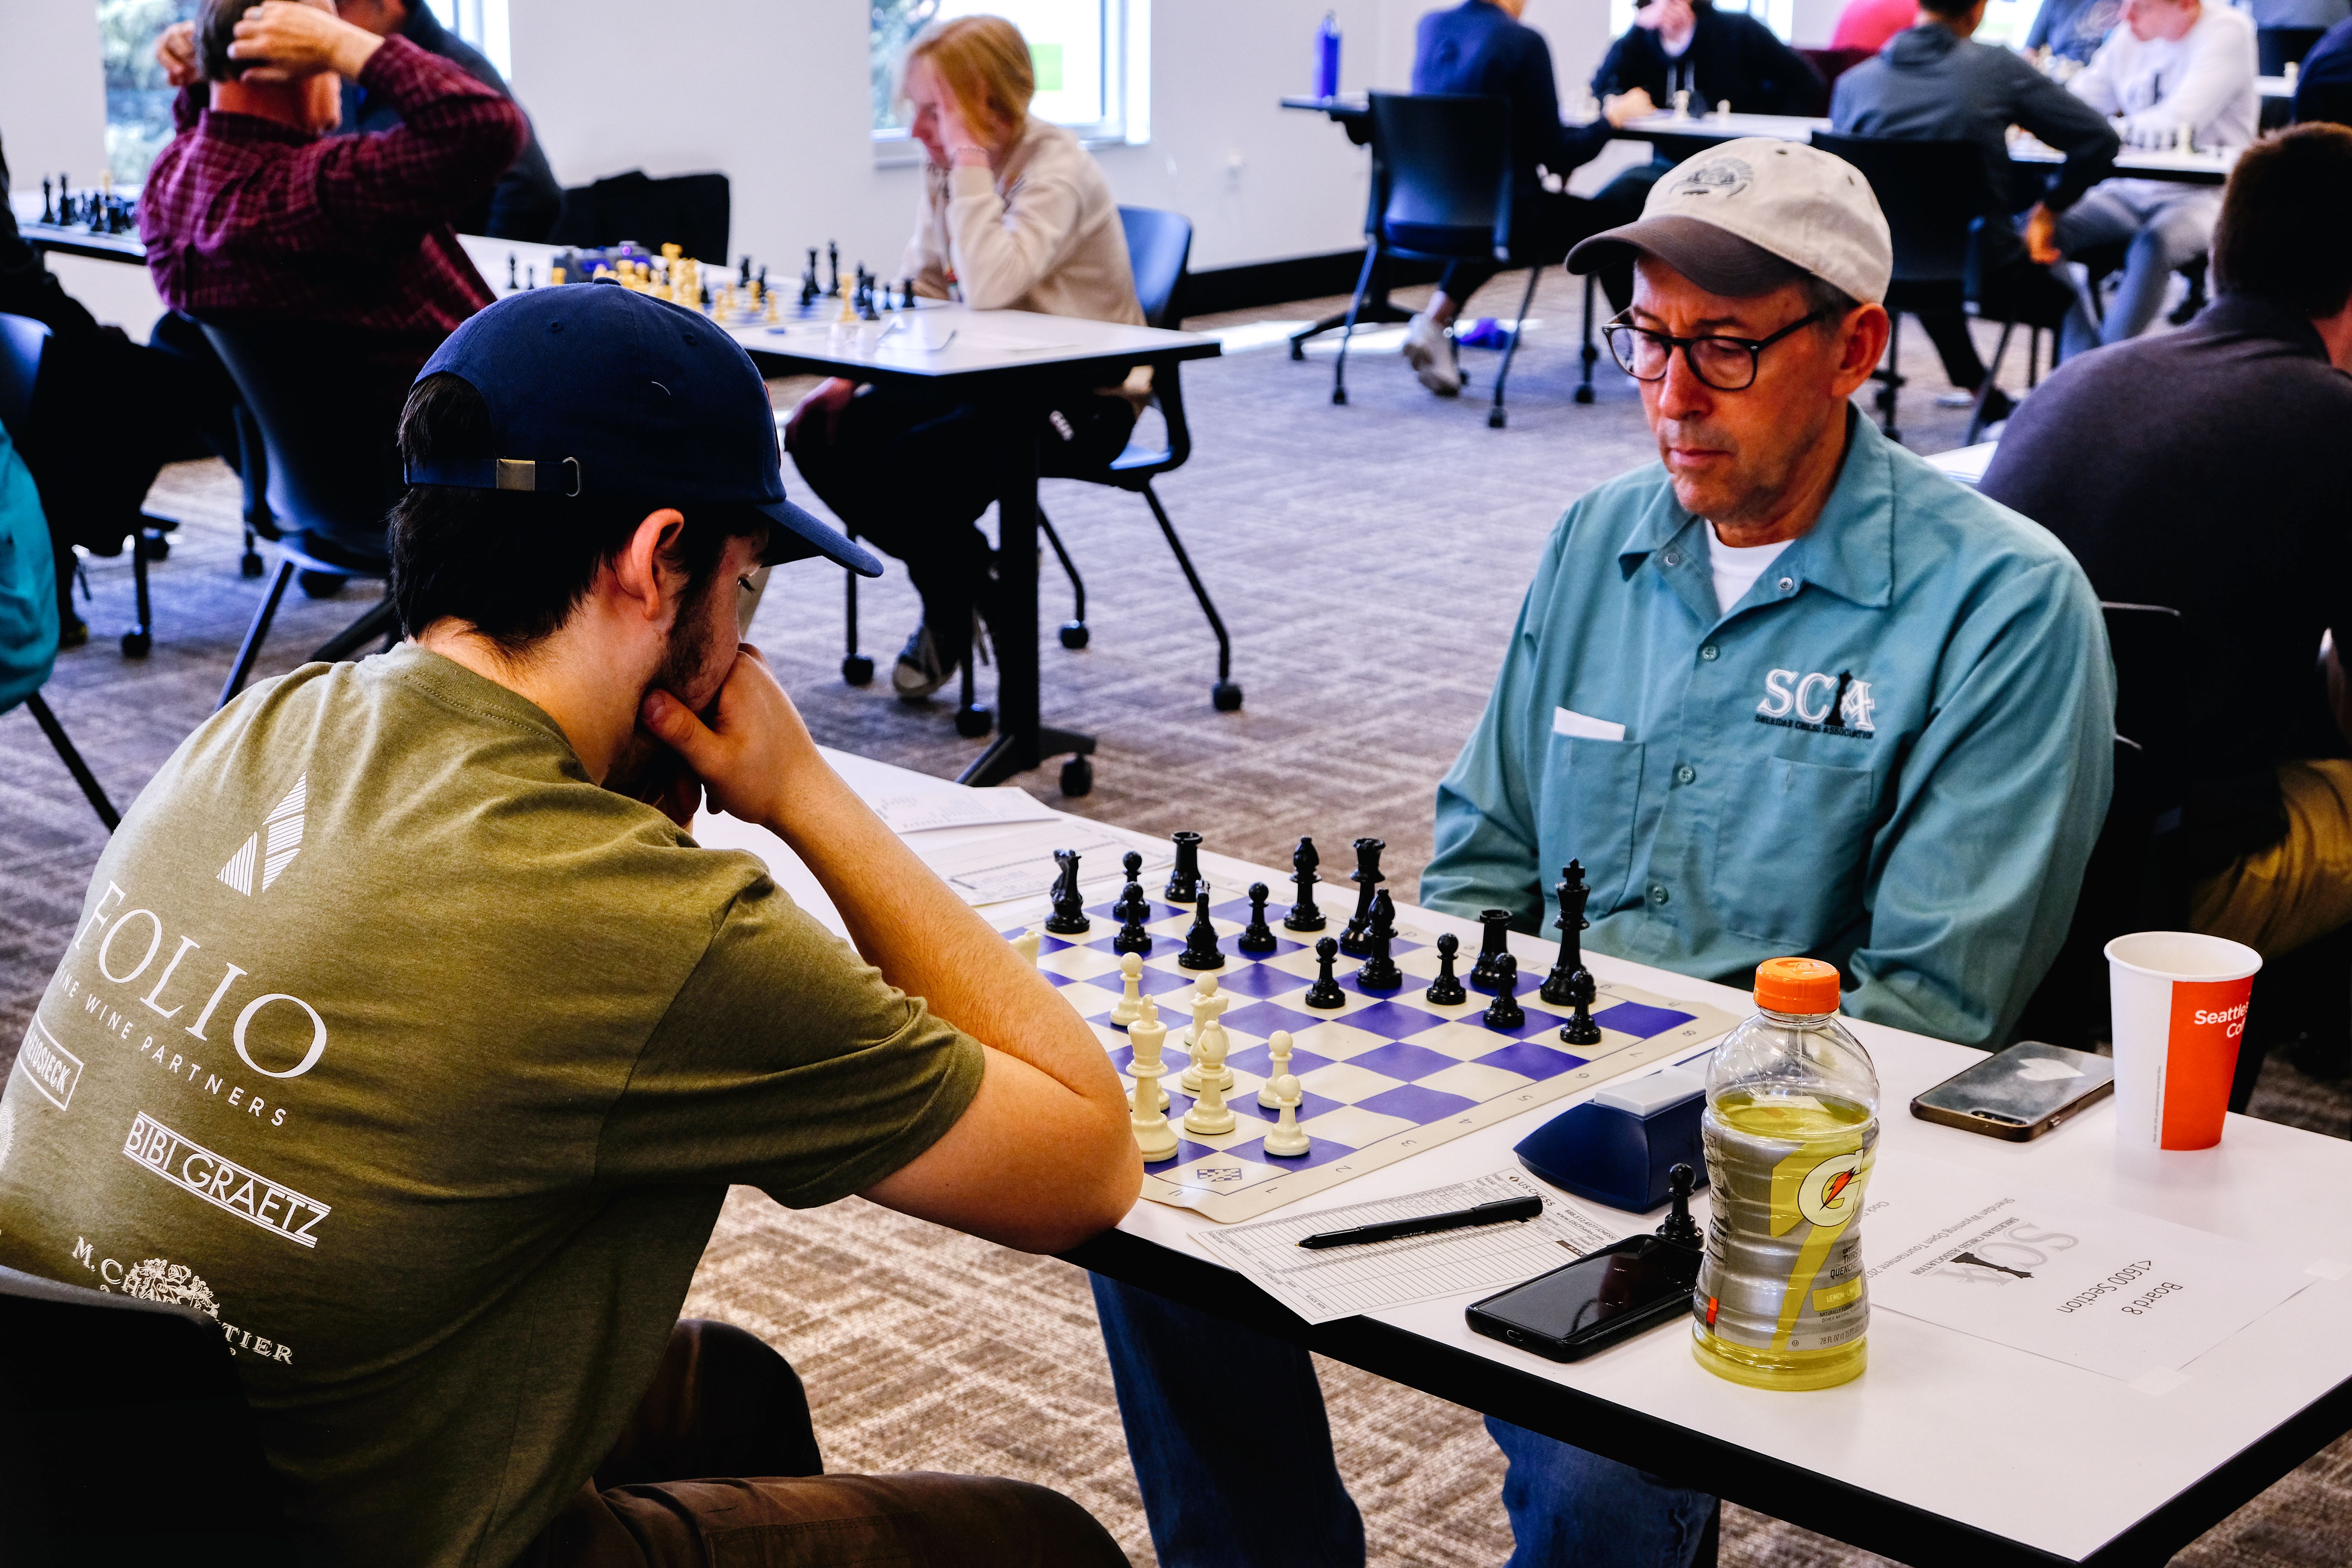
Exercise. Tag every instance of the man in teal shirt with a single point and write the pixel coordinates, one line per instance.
(1789, 691)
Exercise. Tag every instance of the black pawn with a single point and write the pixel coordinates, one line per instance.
(1380, 972)
(1201, 951)
(1497, 941)
(1184, 877)
(1324, 993)
(1257, 936)
(1681, 1230)
(1070, 916)
(1133, 908)
(512, 282)
(1357, 938)
(1505, 1012)
(1572, 892)
(1579, 1029)
(1304, 915)
(1447, 989)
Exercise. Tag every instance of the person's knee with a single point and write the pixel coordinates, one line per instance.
(989, 1521)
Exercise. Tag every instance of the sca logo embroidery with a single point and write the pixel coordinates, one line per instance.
(1715, 177)
(1832, 704)
(282, 829)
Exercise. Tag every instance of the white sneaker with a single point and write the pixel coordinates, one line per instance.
(1429, 349)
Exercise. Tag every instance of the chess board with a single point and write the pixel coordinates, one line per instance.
(1386, 1075)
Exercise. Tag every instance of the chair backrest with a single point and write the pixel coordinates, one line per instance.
(1158, 244)
(1830, 64)
(329, 418)
(80, 1420)
(1446, 158)
(23, 341)
(2282, 47)
(690, 211)
(1930, 191)
(2150, 647)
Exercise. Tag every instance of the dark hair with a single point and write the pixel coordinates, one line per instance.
(2286, 232)
(1949, 10)
(512, 564)
(1833, 302)
(217, 23)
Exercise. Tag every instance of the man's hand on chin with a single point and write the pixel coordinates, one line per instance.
(751, 754)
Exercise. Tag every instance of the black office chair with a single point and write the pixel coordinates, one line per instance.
(1159, 245)
(2280, 47)
(2322, 104)
(80, 1419)
(690, 211)
(1445, 161)
(25, 344)
(328, 418)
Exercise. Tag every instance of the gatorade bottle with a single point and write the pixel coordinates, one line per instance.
(1791, 1131)
(1327, 57)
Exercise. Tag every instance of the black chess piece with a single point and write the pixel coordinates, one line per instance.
(1572, 895)
(1201, 950)
(1380, 972)
(1447, 989)
(1324, 993)
(1184, 883)
(1070, 916)
(1505, 1012)
(1579, 1029)
(1680, 1229)
(1304, 915)
(1133, 908)
(1356, 938)
(809, 289)
(833, 270)
(512, 281)
(1497, 941)
(743, 273)
(48, 213)
(1257, 936)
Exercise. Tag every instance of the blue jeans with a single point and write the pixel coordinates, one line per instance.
(1226, 1431)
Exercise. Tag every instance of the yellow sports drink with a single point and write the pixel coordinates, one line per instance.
(1791, 1131)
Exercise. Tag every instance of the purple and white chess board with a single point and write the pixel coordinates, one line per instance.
(1385, 1075)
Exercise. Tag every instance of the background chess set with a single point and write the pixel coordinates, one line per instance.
(1387, 1075)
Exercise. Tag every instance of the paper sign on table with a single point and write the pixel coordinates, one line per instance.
(2096, 1286)
(921, 812)
(1019, 862)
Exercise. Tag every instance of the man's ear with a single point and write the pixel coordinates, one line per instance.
(637, 577)
(1860, 342)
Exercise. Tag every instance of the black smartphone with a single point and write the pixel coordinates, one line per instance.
(2019, 1093)
(1588, 1305)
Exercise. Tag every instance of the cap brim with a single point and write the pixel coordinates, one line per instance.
(1717, 259)
(799, 535)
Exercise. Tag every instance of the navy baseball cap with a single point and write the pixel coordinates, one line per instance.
(597, 391)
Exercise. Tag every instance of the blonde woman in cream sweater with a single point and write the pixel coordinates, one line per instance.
(1015, 216)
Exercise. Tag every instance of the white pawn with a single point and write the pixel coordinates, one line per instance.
(1280, 1045)
(1130, 1006)
(1287, 1137)
(1147, 1107)
(1209, 1114)
(1026, 945)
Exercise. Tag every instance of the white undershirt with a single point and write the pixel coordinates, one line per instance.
(1736, 571)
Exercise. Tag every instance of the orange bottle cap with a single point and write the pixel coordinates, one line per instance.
(1806, 986)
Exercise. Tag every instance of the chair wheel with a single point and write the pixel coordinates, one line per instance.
(857, 670)
(1226, 696)
(1074, 633)
(322, 584)
(135, 644)
(1077, 777)
(249, 564)
(1297, 351)
(1340, 395)
(974, 722)
(1584, 394)
(1494, 419)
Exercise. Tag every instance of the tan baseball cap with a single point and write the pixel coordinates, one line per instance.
(1745, 217)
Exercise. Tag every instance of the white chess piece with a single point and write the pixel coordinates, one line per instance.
(1130, 1006)
(1280, 1045)
(1211, 1050)
(1204, 995)
(1209, 1114)
(1206, 1010)
(1026, 945)
(1147, 1105)
(1288, 1137)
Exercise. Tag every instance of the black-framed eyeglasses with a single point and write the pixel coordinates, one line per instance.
(1726, 365)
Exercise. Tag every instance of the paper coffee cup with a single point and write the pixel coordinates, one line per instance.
(2180, 1004)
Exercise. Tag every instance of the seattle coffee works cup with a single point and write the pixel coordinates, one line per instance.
(2180, 1004)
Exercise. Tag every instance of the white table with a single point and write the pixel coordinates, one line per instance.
(1966, 464)
(1950, 1449)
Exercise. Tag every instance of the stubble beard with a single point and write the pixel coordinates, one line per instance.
(644, 767)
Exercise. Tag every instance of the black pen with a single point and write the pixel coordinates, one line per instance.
(1460, 1219)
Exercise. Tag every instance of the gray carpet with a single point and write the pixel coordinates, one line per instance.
(1369, 561)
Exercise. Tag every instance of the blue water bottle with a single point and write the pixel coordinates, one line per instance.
(1327, 57)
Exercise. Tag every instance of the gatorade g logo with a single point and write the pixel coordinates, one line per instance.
(1826, 1196)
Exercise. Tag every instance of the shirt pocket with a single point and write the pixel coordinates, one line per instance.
(1594, 790)
(1790, 856)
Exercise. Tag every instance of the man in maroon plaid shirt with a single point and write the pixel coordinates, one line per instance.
(252, 213)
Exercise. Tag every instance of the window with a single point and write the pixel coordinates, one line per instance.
(481, 23)
(1090, 58)
(138, 101)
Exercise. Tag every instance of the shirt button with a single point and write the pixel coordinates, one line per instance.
(1673, 557)
(1787, 584)
(1685, 774)
(1657, 893)
(1710, 653)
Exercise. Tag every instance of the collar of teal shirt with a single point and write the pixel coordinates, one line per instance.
(1849, 551)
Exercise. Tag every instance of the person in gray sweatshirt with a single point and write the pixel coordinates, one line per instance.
(1933, 82)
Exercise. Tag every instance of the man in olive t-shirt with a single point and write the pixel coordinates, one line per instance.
(393, 1042)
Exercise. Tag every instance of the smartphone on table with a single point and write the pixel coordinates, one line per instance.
(2020, 1093)
(1602, 1298)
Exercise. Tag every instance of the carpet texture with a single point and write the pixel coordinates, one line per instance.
(1370, 560)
